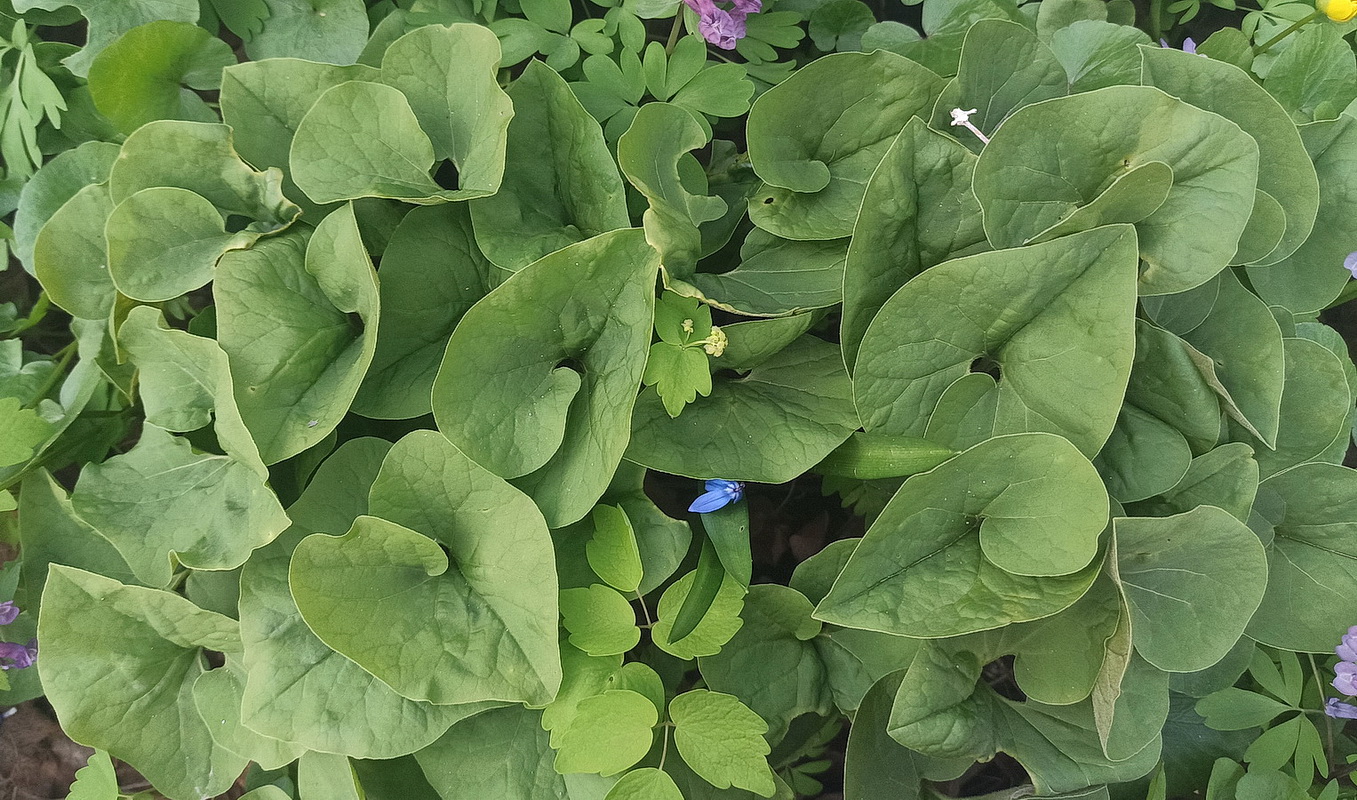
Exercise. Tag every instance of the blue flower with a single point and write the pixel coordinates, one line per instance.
(719, 494)
(19, 656)
(1339, 710)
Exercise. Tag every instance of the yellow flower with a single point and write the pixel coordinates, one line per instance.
(1338, 10)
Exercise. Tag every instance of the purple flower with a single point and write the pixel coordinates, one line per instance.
(1189, 46)
(1339, 710)
(1346, 678)
(19, 656)
(721, 27)
(1348, 649)
(1351, 263)
(8, 612)
(719, 494)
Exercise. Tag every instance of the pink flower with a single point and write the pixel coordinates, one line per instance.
(721, 27)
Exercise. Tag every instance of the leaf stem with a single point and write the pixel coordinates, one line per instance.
(64, 357)
(664, 749)
(674, 32)
(1328, 721)
(645, 612)
(1295, 26)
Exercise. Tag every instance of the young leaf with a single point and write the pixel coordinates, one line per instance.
(1235, 709)
(717, 625)
(612, 550)
(150, 71)
(679, 374)
(600, 620)
(611, 731)
(646, 783)
(722, 740)
(96, 780)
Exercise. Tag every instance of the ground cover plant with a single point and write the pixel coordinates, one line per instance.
(392, 395)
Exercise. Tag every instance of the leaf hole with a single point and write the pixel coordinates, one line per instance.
(767, 201)
(355, 321)
(572, 363)
(999, 675)
(235, 223)
(987, 366)
(446, 176)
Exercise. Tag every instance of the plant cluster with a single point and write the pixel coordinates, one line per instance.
(356, 329)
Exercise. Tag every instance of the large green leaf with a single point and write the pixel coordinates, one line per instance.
(1098, 54)
(1166, 384)
(1143, 457)
(185, 383)
(1226, 477)
(560, 183)
(298, 320)
(1312, 557)
(1310, 278)
(501, 753)
(917, 211)
(1005, 532)
(160, 503)
(1316, 405)
(297, 689)
(449, 75)
(54, 184)
(1284, 169)
(561, 391)
(164, 242)
(1056, 317)
(142, 648)
(816, 138)
(318, 30)
(1237, 347)
(150, 73)
(771, 425)
(1052, 159)
(201, 158)
(216, 695)
(652, 154)
(776, 277)
(474, 622)
(1314, 77)
(875, 765)
(108, 20)
(432, 272)
(771, 664)
(1192, 582)
(69, 255)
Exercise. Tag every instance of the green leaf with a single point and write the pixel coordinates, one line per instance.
(600, 620)
(496, 579)
(244, 18)
(839, 25)
(560, 183)
(770, 663)
(23, 431)
(1056, 318)
(164, 242)
(150, 73)
(1236, 346)
(718, 624)
(679, 375)
(722, 740)
(1315, 406)
(875, 765)
(565, 395)
(816, 157)
(362, 139)
(500, 753)
(612, 550)
(1310, 278)
(68, 255)
(432, 272)
(317, 30)
(917, 211)
(646, 783)
(201, 157)
(161, 504)
(298, 320)
(96, 780)
(1028, 178)
(1037, 506)
(1059, 658)
(1143, 457)
(789, 412)
(1313, 77)
(1004, 67)
(582, 676)
(777, 277)
(1312, 559)
(1234, 709)
(1192, 582)
(51, 533)
(54, 184)
(142, 647)
(1285, 172)
(611, 731)
(108, 20)
(297, 689)
(650, 153)
(1098, 54)
(449, 76)
(185, 383)
(216, 695)
(327, 775)
(720, 90)
(1166, 384)
(1226, 477)
(728, 531)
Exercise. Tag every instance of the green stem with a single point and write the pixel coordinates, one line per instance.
(1328, 721)
(1266, 46)
(64, 358)
(1157, 19)
(644, 611)
(674, 32)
